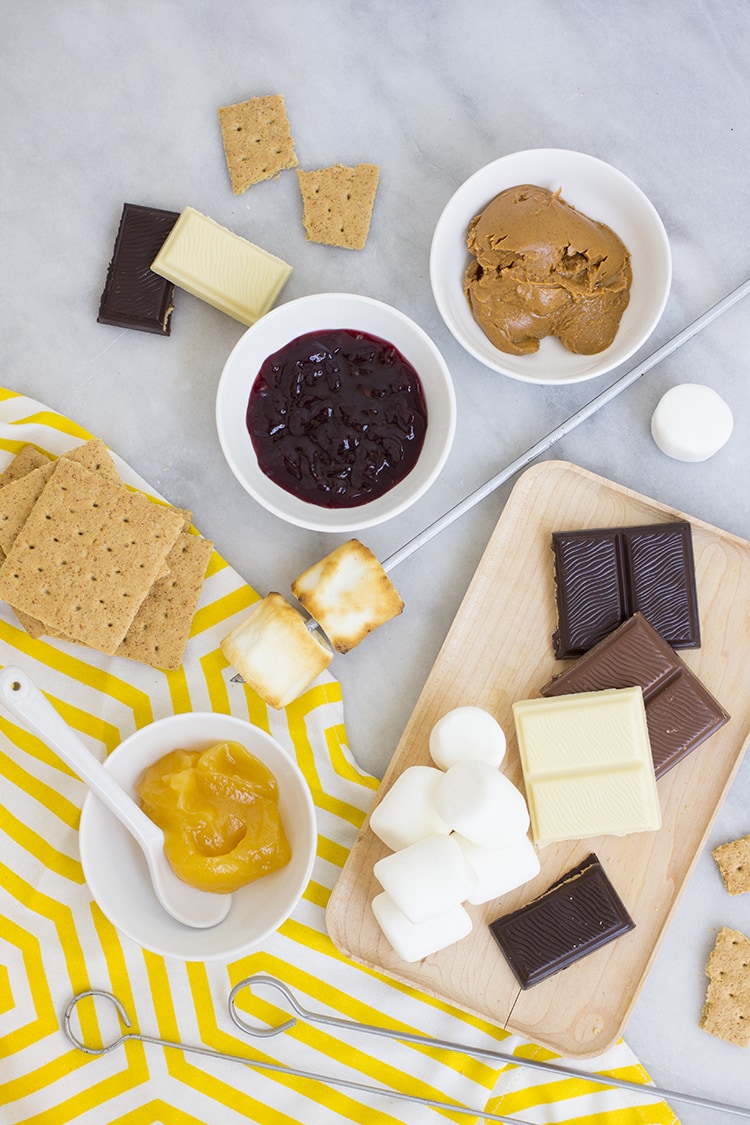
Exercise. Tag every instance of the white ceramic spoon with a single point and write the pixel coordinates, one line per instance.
(188, 905)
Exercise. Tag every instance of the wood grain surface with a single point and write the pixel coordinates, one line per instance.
(499, 650)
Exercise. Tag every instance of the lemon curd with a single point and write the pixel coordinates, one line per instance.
(219, 811)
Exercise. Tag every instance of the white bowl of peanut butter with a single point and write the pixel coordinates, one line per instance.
(550, 266)
(116, 871)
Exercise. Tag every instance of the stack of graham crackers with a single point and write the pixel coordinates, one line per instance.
(86, 559)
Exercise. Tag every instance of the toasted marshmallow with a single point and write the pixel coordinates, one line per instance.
(275, 652)
(407, 812)
(348, 593)
(413, 941)
(467, 734)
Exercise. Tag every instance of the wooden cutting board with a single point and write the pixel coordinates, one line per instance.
(499, 650)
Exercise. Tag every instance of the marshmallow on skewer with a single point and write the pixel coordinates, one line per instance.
(407, 812)
(413, 941)
(275, 652)
(426, 879)
(691, 422)
(467, 734)
(481, 803)
(495, 871)
(348, 593)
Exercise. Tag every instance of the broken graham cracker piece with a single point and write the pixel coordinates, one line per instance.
(726, 1012)
(160, 629)
(274, 651)
(257, 139)
(337, 204)
(733, 861)
(87, 556)
(348, 593)
(27, 458)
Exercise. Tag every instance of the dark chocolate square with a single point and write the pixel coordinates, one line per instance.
(605, 575)
(576, 915)
(134, 296)
(680, 712)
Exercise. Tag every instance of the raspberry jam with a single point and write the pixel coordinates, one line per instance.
(337, 417)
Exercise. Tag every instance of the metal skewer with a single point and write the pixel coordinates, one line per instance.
(650, 1090)
(350, 1025)
(567, 426)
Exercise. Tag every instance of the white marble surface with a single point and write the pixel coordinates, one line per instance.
(104, 103)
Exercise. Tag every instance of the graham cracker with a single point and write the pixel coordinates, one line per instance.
(257, 140)
(337, 204)
(87, 555)
(733, 860)
(161, 627)
(726, 1012)
(19, 497)
(27, 458)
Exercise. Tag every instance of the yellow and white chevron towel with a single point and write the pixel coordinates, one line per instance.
(55, 942)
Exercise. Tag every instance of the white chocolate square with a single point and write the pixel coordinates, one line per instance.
(587, 765)
(348, 593)
(275, 652)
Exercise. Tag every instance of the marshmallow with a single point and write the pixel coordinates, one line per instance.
(495, 871)
(481, 803)
(348, 593)
(275, 652)
(407, 812)
(411, 941)
(426, 879)
(691, 422)
(467, 734)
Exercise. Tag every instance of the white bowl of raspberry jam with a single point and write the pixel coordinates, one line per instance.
(336, 412)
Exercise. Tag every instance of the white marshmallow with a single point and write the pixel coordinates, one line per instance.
(481, 803)
(495, 871)
(426, 879)
(407, 812)
(467, 734)
(691, 422)
(413, 941)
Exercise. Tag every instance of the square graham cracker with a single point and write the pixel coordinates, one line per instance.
(19, 496)
(726, 1012)
(733, 861)
(257, 140)
(161, 627)
(87, 556)
(337, 204)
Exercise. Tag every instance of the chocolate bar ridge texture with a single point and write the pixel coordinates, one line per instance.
(134, 296)
(681, 712)
(603, 576)
(575, 916)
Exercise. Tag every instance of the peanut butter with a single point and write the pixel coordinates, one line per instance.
(541, 269)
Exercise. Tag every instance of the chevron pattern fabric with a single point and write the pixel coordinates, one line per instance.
(55, 942)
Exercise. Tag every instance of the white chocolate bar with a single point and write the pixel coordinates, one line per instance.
(221, 267)
(587, 765)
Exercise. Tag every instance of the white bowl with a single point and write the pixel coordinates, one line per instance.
(599, 191)
(116, 871)
(315, 313)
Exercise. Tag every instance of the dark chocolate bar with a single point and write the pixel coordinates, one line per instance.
(134, 296)
(576, 915)
(604, 576)
(680, 712)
